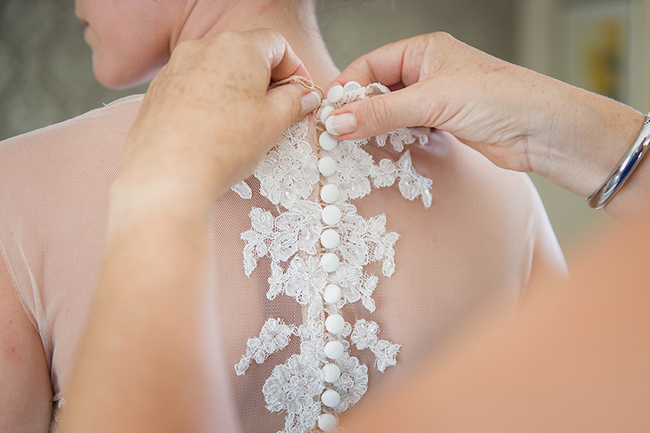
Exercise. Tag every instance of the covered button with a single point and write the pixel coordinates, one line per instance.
(334, 349)
(332, 294)
(331, 372)
(327, 422)
(324, 114)
(329, 262)
(334, 324)
(330, 398)
(351, 85)
(326, 166)
(335, 94)
(326, 141)
(329, 239)
(331, 215)
(329, 193)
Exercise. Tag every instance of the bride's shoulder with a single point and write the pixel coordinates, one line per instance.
(100, 124)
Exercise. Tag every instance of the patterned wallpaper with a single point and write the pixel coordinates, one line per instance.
(45, 67)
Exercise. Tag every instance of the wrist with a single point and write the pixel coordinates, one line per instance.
(178, 203)
(581, 138)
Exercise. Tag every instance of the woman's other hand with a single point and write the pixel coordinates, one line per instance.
(519, 119)
(208, 117)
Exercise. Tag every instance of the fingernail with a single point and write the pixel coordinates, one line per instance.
(309, 102)
(341, 124)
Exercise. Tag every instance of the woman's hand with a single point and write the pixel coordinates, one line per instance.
(208, 118)
(519, 119)
(149, 343)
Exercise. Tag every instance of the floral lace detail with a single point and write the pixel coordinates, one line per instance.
(291, 388)
(353, 382)
(289, 172)
(280, 238)
(288, 176)
(243, 190)
(399, 137)
(411, 184)
(275, 336)
(364, 336)
(303, 280)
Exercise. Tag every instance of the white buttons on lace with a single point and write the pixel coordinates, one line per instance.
(329, 239)
(330, 398)
(331, 215)
(329, 193)
(351, 85)
(326, 141)
(329, 262)
(332, 294)
(288, 177)
(334, 349)
(335, 94)
(324, 114)
(327, 422)
(326, 166)
(331, 372)
(334, 324)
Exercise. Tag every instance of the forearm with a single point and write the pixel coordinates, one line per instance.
(148, 357)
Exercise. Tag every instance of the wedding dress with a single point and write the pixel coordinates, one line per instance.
(338, 265)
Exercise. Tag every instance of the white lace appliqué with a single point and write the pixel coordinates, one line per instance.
(323, 275)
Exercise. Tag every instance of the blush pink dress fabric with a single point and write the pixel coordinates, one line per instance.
(477, 245)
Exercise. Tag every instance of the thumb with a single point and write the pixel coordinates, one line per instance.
(411, 106)
(290, 102)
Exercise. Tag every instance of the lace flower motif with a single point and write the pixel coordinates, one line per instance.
(275, 336)
(304, 280)
(411, 184)
(353, 382)
(365, 241)
(384, 174)
(289, 172)
(399, 137)
(364, 335)
(292, 387)
(243, 190)
(281, 237)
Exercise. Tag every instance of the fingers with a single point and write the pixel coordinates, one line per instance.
(369, 117)
(282, 61)
(407, 67)
(289, 103)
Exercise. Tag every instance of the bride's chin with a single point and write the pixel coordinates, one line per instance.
(115, 78)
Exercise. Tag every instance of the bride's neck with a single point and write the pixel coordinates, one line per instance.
(294, 19)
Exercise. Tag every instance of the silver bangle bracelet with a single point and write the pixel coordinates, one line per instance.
(624, 168)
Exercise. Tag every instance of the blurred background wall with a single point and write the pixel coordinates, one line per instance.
(46, 75)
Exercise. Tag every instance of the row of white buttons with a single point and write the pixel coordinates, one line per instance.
(331, 214)
(329, 239)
